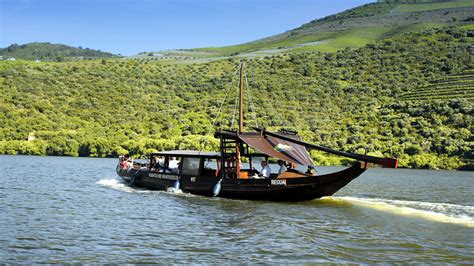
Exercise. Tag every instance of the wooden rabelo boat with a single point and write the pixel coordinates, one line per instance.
(222, 174)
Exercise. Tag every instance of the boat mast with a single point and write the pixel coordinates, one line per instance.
(241, 97)
(241, 117)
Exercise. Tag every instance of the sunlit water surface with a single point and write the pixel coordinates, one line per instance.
(76, 210)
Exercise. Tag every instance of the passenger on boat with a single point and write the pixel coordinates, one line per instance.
(173, 163)
(124, 161)
(176, 170)
(124, 164)
(265, 172)
(158, 166)
(172, 167)
(282, 165)
(290, 166)
(311, 170)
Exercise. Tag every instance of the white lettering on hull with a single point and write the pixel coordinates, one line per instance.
(278, 182)
(163, 176)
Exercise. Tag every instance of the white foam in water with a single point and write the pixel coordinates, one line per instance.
(174, 190)
(438, 212)
(116, 184)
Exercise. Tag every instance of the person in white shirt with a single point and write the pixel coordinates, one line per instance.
(173, 163)
(173, 166)
(265, 172)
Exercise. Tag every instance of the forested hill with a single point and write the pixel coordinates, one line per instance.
(361, 100)
(51, 52)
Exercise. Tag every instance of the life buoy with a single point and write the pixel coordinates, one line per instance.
(217, 188)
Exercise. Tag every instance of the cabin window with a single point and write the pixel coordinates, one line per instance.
(256, 162)
(210, 164)
(190, 166)
(209, 167)
(156, 163)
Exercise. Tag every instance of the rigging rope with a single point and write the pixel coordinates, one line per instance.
(219, 110)
(252, 110)
(264, 103)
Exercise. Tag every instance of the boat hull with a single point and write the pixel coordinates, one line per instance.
(281, 189)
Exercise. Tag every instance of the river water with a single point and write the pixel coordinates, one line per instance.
(76, 210)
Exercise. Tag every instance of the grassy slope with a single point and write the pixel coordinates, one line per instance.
(432, 6)
(356, 27)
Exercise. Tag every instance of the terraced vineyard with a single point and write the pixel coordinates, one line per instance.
(458, 86)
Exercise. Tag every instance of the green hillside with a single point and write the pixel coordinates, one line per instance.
(349, 29)
(358, 100)
(51, 52)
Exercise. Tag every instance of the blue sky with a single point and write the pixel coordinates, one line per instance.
(129, 27)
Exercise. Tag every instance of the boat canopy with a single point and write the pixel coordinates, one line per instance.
(188, 153)
(384, 162)
(278, 148)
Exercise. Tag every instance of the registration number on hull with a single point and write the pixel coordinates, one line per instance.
(168, 177)
(278, 182)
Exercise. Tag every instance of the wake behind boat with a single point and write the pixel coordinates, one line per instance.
(223, 174)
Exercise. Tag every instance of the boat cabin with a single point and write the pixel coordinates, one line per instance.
(185, 163)
(198, 163)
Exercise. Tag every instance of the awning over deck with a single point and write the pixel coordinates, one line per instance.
(188, 153)
(278, 148)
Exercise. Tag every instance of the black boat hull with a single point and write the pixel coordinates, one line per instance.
(290, 189)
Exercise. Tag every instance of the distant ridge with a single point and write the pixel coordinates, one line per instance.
(389, 16)
(46, 51)
(352, 28)
(415, 1)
